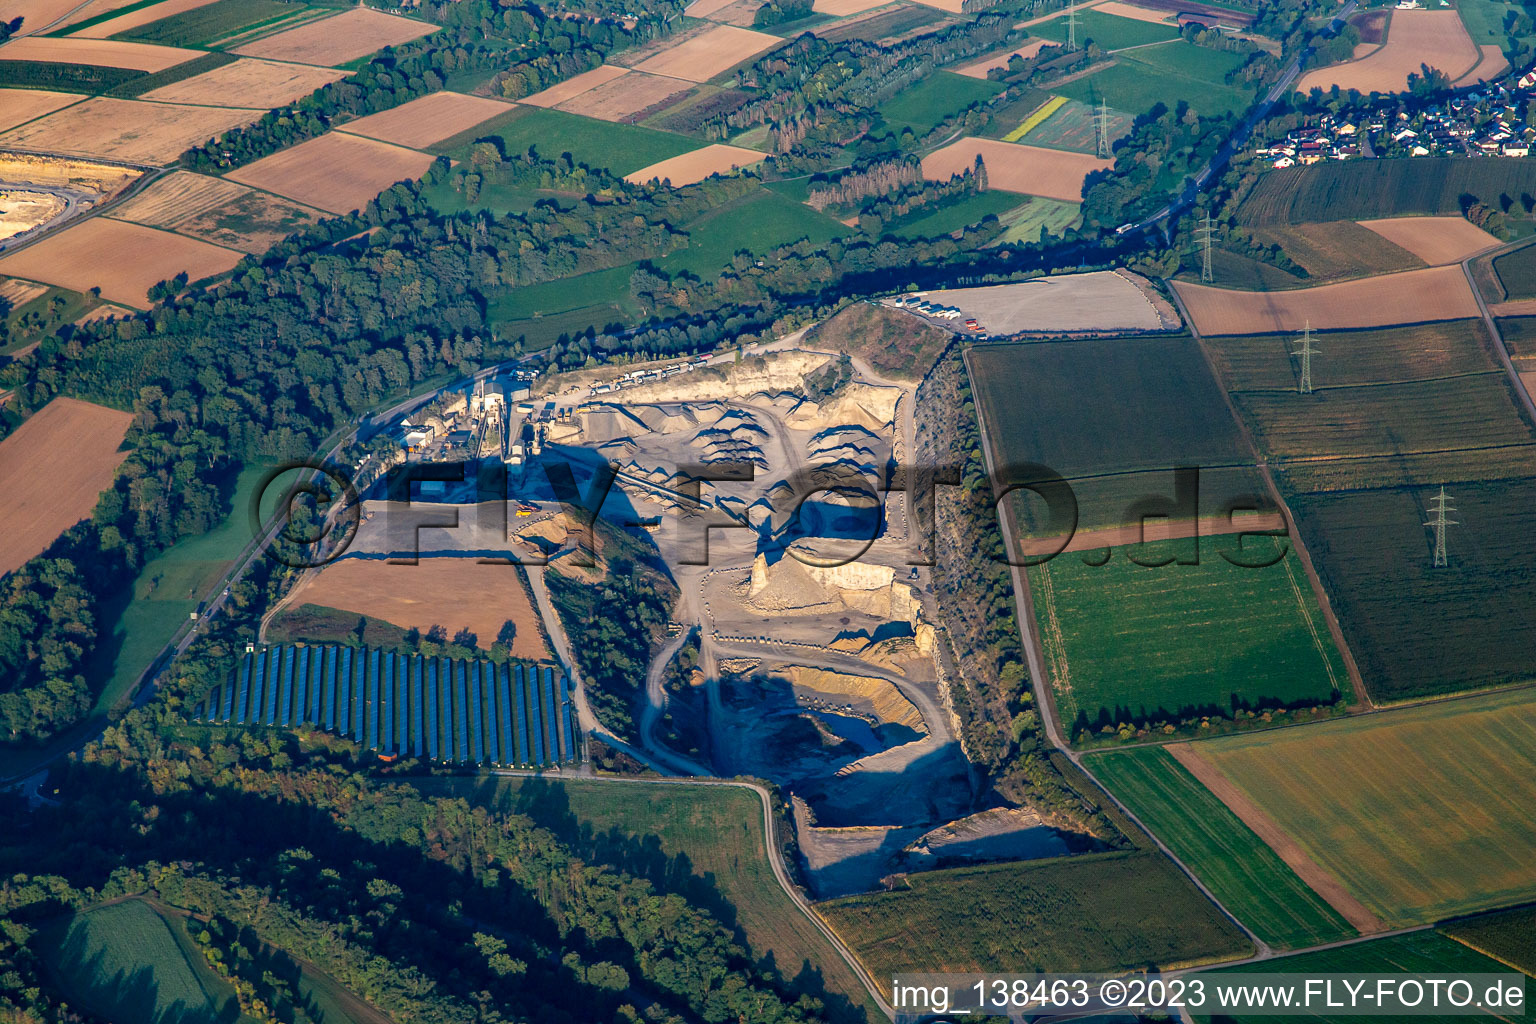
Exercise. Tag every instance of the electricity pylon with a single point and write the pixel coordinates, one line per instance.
(1072, 25)
(1441, 506)
(1306, 351)
(1101, 128)
(1205, 230)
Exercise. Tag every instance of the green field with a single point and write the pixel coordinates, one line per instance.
(1104, 406)
(1517, 272)
(1072, 128)
(1424, 952)
(1422, 813)
(703, 841)
(930, 223)
(1508, 936)
(936, 97)
(619, 148)
(203, 26)
(1170, 74)
(1136, 643)
(34, 74)
(1247, 876)
(1109, 31)
(1015, 112)
(1023, 223)
(126, 963)
(1363, 189)
(1088, 912)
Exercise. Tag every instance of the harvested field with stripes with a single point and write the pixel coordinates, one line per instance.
(124, 260)
(18, 106)
(52, 469)
(621, 98)
(138, 18)
(434, 708)
(1435, 240)
(247, 83)
(345, 37)
(113, 129)
(217, 210)
(575, 86)
(334, 172)
(1436, 293)
(710, 53)
(109, 53)
(427, 119)
(697, 165)
(1028, 170)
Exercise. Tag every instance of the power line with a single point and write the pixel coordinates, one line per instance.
(1306, 351)
(1441, 506)
(1072, 26)
(1101, 128)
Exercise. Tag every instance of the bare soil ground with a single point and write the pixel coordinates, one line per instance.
(704, 8)
(105, 179)
(108, 53)
(216, 210)
(16, 291)
(1135, 13)
(951, 6)
(1372, 26)
(1435, 240)
(427, 119)
(58, 15)
(177, 196)
(142, 16)
(843, 8)
(150, 133)
(18, 106)
(698, 165)
(346, 37)
(334, 172)
(708, 54)
(1489, 66)
(21, 210)
(622, 97)
(575, 86)
(105, 311)
(1416, 296)
(455, 593)
(124, 260)
(52, 468)
(1307, 869)
(1100, 301)
(979, 69)
(1436, 38)
(1028, 170)
(247, 83)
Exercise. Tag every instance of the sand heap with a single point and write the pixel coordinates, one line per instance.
(791, 586)
(854, 404)
(885, 701)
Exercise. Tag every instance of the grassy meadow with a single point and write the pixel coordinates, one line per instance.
(1422, 813)
(1247, 876)
(936, 97)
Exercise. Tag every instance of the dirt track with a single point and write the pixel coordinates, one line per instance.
(1323, 883)
(1155, 530)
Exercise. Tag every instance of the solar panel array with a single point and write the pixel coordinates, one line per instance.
(440, 709)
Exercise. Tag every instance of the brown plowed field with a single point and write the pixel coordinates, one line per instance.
(843, 8)
(1029, 170)
(1435, 240)
(334, 172)
(247, 83)
(52, 468)
(1436, 38)
(454, 593)
(146, 133)
(1124, 10)
(979, 68)
(1265, 827)
(1416, 296)
(1491, 65)
(346, 37)
(427, 119)
(123, 259)
(575, 86)
(698, 165)
(107, 53)
(57, 15)
(18, 106)
(708, 54)
(704, 8)
(142, 16)
(616, 100)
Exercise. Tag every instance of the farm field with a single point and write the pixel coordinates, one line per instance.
(124, 961)
(697, 165)
(1415, 296)
(936, 97)
(1422, 812)
(1028, 170)
(137, 18)
(336, 40)
(45, 494)
(1244, 873)
(216, 210)
(575, 86)
(954, 216)
(979, 68)
(628, 98)
(1168, 74)
(1335, 250)
(619, 148)
(1508, 937)
(1517, 273)
(455, 593)
(1108, 508)
(247, 82)
(1436, 38)
(1137, 643)
(224, 21)
(1080, 423)
(1088, 912)
(710, 847)
(333, 172)
(1071, 127)
(427, 120)
(99, 52)
(124, 260)
(1024, 222)
(149, 133)
(1347, 358)
(1435, 240)
(18, 106)
(1109, 31)
(710, 53)
(1367, 189)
